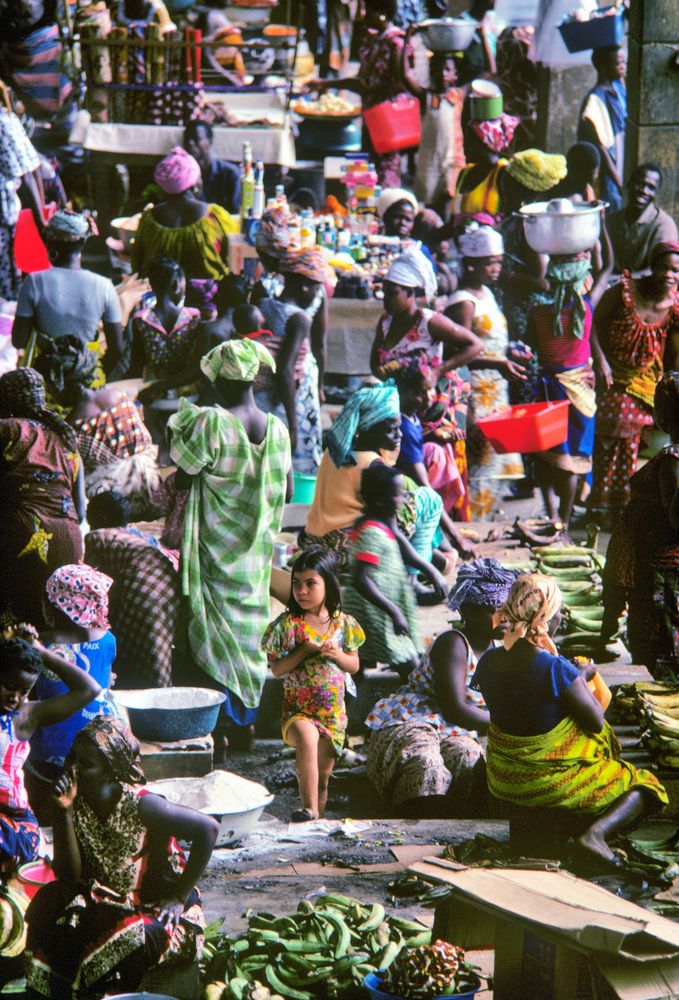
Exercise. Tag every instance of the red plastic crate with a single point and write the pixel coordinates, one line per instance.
(527, 427)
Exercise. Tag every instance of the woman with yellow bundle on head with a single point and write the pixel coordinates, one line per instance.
(549, 746)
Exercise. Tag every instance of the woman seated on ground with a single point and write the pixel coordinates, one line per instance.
(114, 443)
(144, 598)
(189, 231)
(643, 554)
(368, 431)
(165, 334)
(125, 899)
(69, 299)
(549, 746)
(42, 495)
(424, 756)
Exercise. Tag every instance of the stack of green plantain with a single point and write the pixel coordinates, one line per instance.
(576, 570)
(325, 949)
(659, 708)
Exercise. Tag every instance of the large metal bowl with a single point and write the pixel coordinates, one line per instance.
(167, 714)
(554, 231)
(447, 34)
(235, 802)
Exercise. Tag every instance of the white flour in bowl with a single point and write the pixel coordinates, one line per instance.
(218, 793)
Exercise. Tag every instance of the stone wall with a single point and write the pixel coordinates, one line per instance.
(560, 94)
(653, 93)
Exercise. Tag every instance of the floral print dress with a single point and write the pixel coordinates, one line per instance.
(490, 393)
(314, 690)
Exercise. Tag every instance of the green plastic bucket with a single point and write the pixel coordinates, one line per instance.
(304, 489)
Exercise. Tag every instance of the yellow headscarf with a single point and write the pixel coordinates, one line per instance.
(532, 603)
(237, 360)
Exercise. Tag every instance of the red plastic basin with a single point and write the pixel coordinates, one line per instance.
(527, 427)
(35, 875)
(394, 124)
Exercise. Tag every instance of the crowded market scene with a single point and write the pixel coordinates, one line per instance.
(339, 491)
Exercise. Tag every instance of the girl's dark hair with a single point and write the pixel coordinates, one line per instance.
(318, 559)
(163, 271)
(108, 510)
(17, 654)
(378, 481)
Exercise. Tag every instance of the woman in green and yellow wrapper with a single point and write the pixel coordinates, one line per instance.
(549, 746)
(235, 462)
(638, 326)
(68, 299)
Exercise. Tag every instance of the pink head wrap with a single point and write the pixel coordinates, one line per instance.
(496, 134)
(178, 172)
(81, 593)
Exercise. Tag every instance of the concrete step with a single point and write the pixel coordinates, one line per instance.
(372, 685)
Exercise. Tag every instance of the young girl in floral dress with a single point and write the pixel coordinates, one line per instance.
(312, 646)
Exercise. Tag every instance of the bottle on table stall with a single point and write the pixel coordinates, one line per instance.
(307, 231)
(280, 195)
(258, 194)
(247, 196)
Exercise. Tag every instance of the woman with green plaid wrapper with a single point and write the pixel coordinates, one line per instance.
(235, 461)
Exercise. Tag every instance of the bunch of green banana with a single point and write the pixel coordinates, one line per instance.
(324, 949)
(659, 710)
(576, 570)
(12, 923)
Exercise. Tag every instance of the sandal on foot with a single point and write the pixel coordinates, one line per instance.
(302, 816)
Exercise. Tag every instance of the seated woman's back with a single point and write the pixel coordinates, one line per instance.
(522, 688)
(176, 213)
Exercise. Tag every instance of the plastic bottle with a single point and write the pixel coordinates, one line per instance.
(307, 228)
(247, 183)
(280, 195)
(258, 193)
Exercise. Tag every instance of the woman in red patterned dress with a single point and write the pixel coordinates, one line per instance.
(638, 325)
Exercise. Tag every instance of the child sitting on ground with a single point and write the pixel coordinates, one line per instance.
(312, 646)
(379, 594)
(22, 658)
(77, 609)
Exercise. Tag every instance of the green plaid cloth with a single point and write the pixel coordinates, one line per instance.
(233, 514)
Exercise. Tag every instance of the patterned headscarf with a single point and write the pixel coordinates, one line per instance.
(536, 170)
(532, 603)
(67, 226)
(81, 592)
(310, 262)
(274, 236)
(662, 248)
(369, 406)
(567, 279)
(496, 134)
(237, 360)
(119, 747)
(178, 172)
(483, 582)
(22, 394)
(413, 270)
(67, 359)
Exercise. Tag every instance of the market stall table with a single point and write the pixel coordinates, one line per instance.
(121, 142)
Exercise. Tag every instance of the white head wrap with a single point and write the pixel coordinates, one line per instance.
(480, 241)
(413, 270)
(390, 196)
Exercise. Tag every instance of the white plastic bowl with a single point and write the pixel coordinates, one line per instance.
(233, 801)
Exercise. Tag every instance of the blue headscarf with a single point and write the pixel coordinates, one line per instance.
(366, 408)
(483, 582)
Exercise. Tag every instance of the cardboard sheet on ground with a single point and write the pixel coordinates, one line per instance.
(586, 913)
(563, 937)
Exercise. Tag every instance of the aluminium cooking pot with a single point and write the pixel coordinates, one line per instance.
(560, 227)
